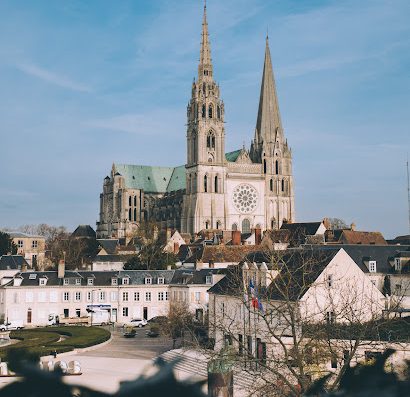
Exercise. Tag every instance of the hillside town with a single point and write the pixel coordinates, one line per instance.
(217, 241)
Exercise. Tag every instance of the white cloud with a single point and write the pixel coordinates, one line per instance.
(53, 78)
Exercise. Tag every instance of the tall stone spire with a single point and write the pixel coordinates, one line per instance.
(268, 124)
(205, 61)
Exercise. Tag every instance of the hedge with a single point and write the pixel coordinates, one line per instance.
(43, 341)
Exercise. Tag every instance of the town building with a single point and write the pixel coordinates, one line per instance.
(240, 190)
(32, 248)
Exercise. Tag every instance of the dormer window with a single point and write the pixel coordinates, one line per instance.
(42, 281)
(114, 281)
(397, 264)
(208, 279)
(78, 281)
(372, 266)
(66, 281)
(160, 280)
(90, 281)
(125, 281)
(148, 280)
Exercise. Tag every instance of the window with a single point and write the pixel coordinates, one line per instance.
(216, 184)
(43, 281)
(333, 361)
(135, 214)
(207, 225)
(203, 111)
(330, 280)
(129, 201)
(160, 296)
(148, 296)
(205, 183)
(66, 281)
(78, 312)
(125, 281)
(102, 296)
(66, 313)
(276, 167)
(89, 296)
(197, 297)
(135, 201)
(283, 185)
(246, 226)
(130, 214)
(160, 280)
(114, 281)
(218, 225)
(210, 111)
(240, 344)
(78, 281)
(372, 266)
(330, 317)
(218, 112)
(125, 311)
(208, 280)
(90, 281)
(125, 296)
(271, 185)
(78, 296)
(234, 227)
(136, 296)
(114, 296)
(34, 244)
(66, 296)
(264, 166)
(166, 295)
(397, 264)
(148, 280)
(20, 243)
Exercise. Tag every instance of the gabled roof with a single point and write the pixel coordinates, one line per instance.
(222, 253)
(109, 245)
(305, 228)
(347, 236)
(232, 156)
(12, 262)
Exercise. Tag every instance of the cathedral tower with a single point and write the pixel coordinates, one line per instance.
(270, 148)
(203, 206)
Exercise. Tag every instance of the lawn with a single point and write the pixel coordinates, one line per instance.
(43, 341)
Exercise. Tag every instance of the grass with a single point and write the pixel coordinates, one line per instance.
(43, 341)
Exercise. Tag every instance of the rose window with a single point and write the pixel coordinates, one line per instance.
(245, 198)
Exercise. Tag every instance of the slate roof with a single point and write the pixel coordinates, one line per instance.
(109, 245)
(152, 179)
(23, 235)
(307, 228)
(298, 269)
(347, 236)
(84, 231)
(232, 156)
(12, 262)
(221, 253)
(190, 277)
(101, 278)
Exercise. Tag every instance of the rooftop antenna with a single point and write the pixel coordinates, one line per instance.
(408, 188)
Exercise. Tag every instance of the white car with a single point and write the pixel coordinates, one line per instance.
(10, 325)
(136, 322)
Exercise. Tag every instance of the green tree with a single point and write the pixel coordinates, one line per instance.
(7, 245)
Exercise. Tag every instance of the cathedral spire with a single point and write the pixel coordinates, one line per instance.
(205, 61)
(268, 124)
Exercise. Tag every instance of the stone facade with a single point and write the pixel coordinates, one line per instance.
(240, 190)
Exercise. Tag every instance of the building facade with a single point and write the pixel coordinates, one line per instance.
(240, 190)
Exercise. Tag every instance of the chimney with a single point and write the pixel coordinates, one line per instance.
(61, 269)
(236, 237)
(353, 227)
(258, 236)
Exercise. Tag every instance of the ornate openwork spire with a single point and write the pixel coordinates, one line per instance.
(205, 61)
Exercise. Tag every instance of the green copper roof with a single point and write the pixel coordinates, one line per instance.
(152, 179)
(232, 156)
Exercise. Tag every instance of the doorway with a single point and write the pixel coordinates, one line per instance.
(145, 311)
(29, 316)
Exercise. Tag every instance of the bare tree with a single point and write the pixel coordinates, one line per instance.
(292, 320)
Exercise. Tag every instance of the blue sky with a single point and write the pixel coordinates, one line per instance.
(88, 83)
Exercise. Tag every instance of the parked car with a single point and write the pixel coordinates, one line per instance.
(10, 325)
(160, 320)
(136, 322)
(153, 333)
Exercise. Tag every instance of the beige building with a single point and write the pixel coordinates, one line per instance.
(33, 248)
(240, 190)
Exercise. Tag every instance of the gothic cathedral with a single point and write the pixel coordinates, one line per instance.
(239, 190)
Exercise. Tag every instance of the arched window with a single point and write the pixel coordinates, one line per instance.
(210, 111)
(264, 166)
(204, 88)
(277, 167)
(271, 185)
(135, 214)
(130, 201)
(207, 225)
(283, 185)
(218, 112)
(213, 141)
(216, 184)
(218, 225)
(234, 227)
(203, 111)
(135, 200)
(272, 223)
(130, 214)
(205, 184)
(210, 141)
(246, 226)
